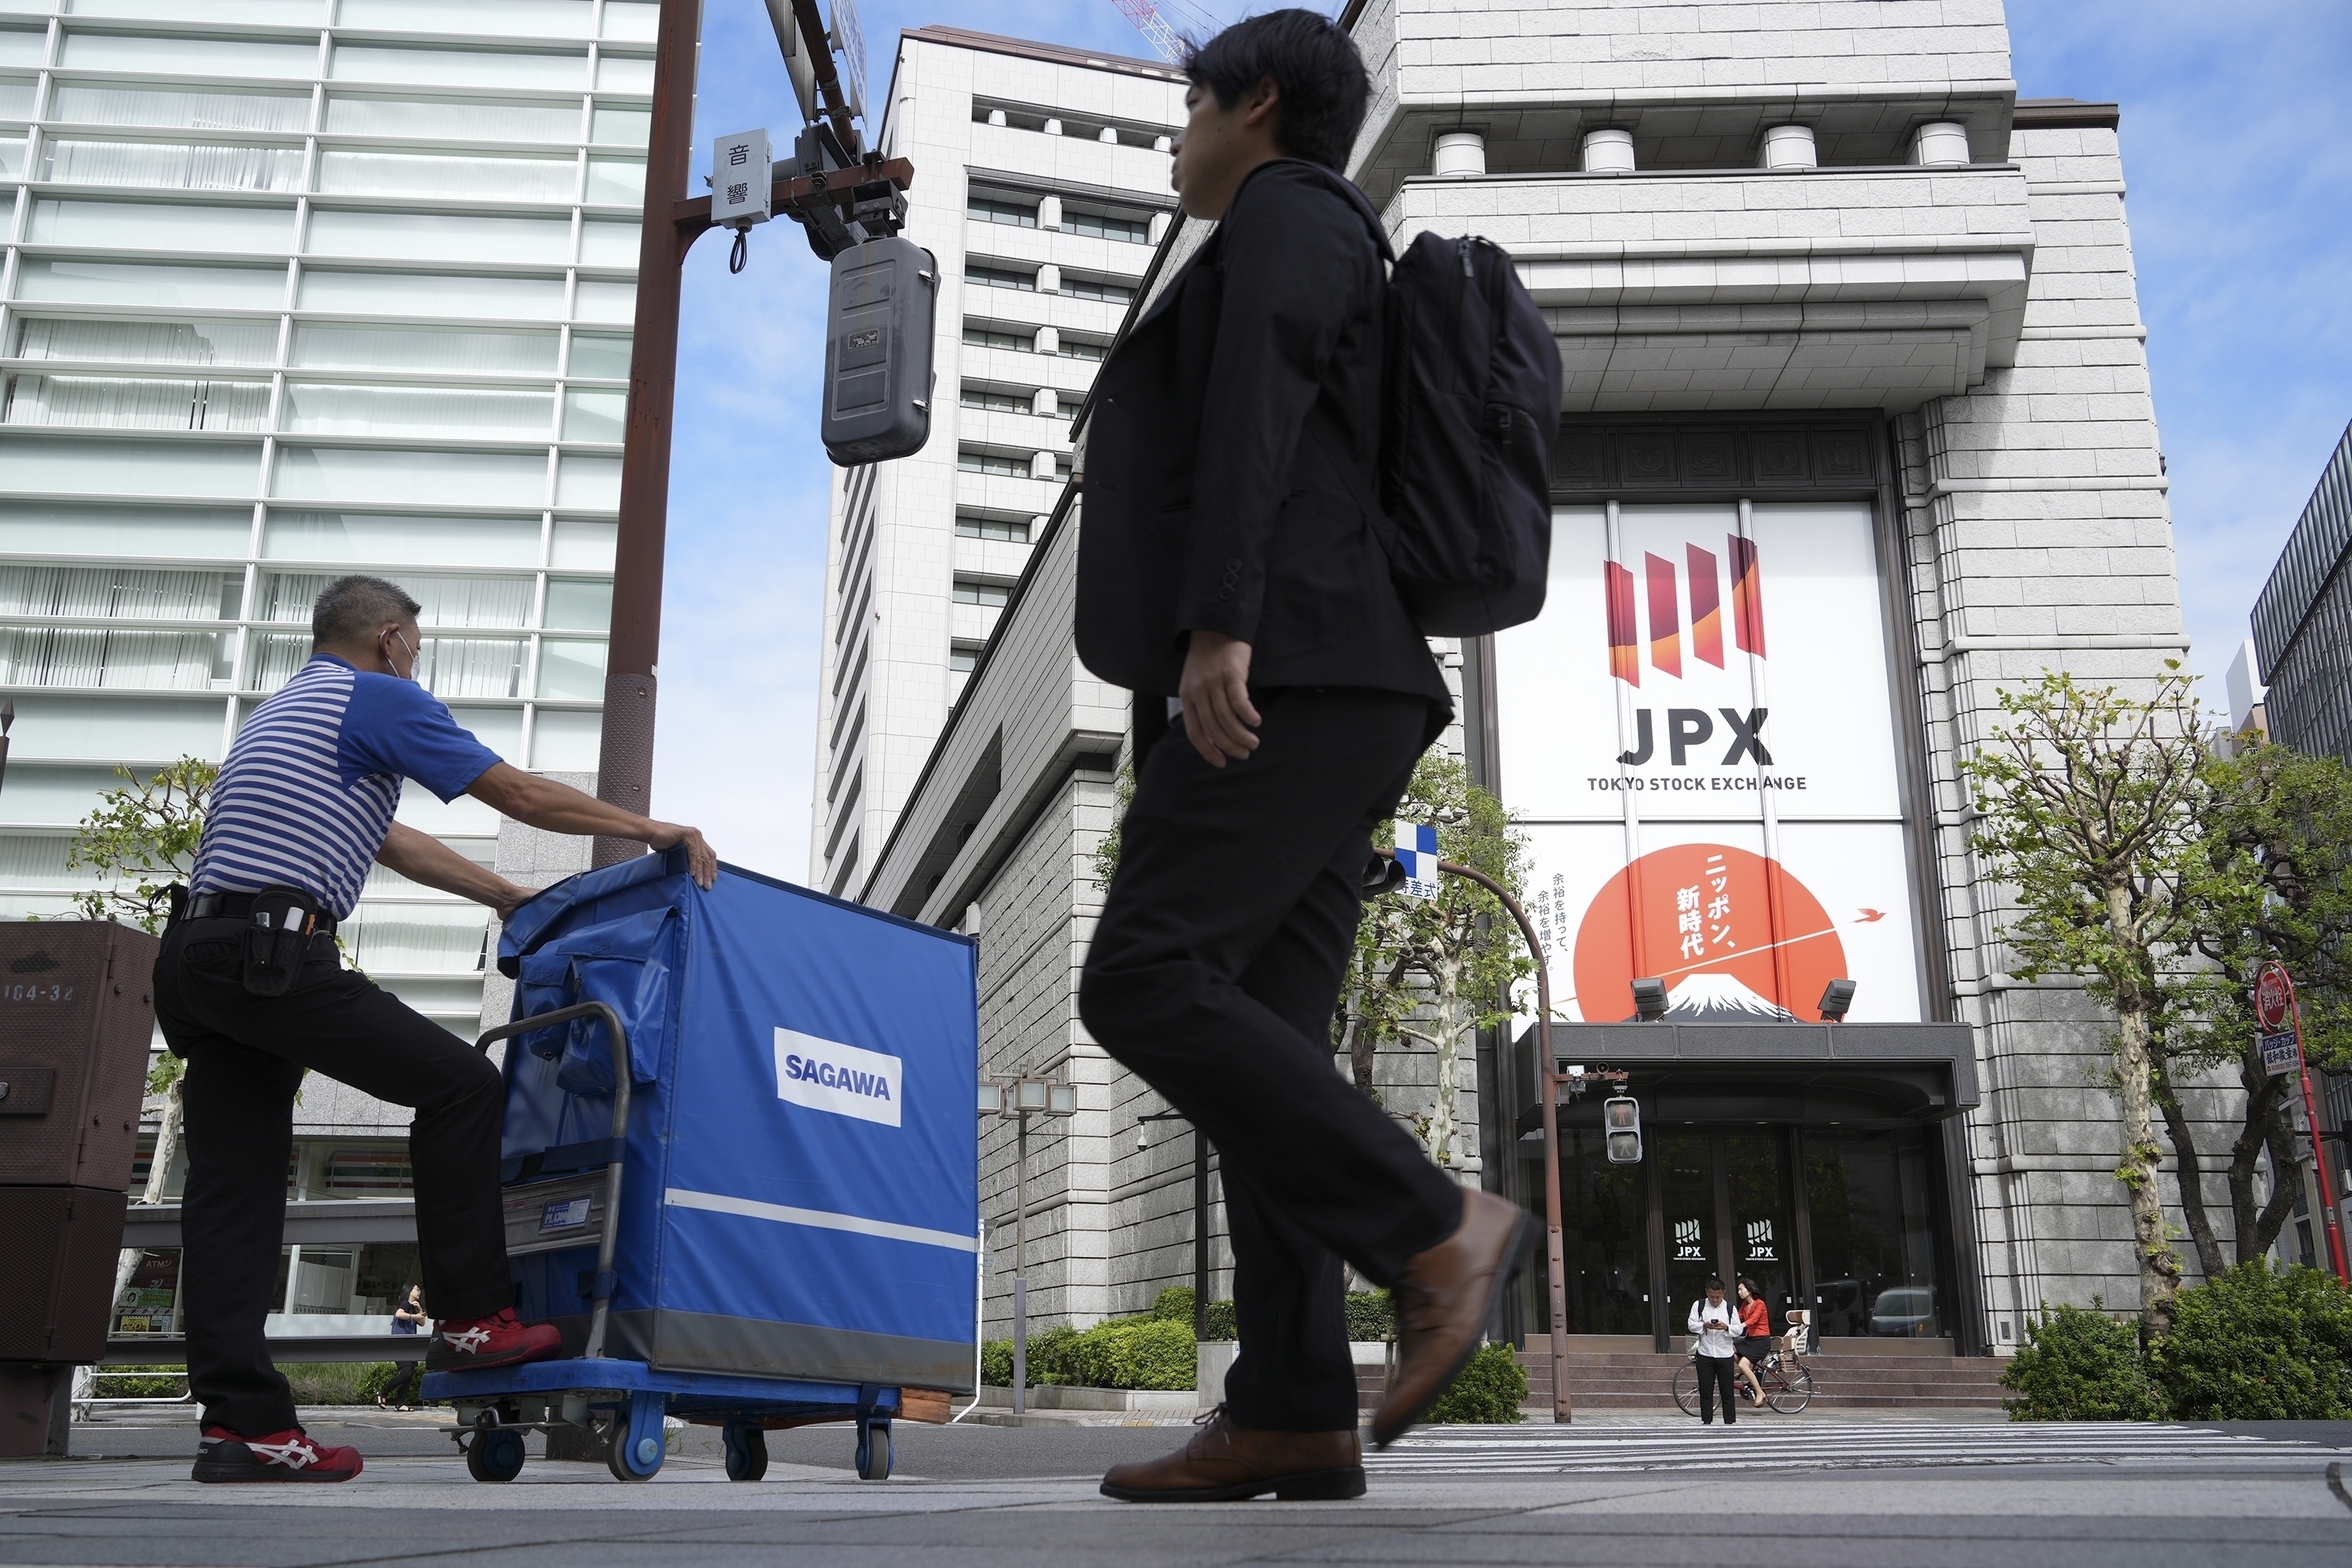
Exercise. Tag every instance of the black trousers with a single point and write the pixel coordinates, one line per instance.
(1213, 975)
(245, 1058)
(1718, 1372)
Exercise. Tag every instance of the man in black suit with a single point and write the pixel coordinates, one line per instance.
(1231, 576)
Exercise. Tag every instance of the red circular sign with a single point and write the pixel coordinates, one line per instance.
(1734, 935)
(2274, 999)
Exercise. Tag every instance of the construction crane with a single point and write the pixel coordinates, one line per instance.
(1151, 21)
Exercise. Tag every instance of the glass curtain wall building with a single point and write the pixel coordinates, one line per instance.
(292, 288)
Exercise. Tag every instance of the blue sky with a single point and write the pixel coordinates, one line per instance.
(2237, 139)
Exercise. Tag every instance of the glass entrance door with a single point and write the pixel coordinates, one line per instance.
(1763, 1236)
(1694, 1222)
(1873, 1234)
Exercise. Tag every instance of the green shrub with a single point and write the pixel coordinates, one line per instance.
(155, 1383)
(1137, 1352)
(1054, 1356)
(2078, 1365)
(1371, 1315)
(1173, 1305)
(2259, 1344)
(996, 1363)
(1488, 1392)
(1222, 1324)
(333, 1382)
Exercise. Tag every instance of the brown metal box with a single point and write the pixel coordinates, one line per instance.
(62, 1245)
(76, 1016)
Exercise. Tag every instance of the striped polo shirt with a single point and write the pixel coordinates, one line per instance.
(307, 795)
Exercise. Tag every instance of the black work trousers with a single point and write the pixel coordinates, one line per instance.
(1717, 1374)
(245, 1058)
(1214, 975)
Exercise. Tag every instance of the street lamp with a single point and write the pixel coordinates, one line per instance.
(1016, 1101)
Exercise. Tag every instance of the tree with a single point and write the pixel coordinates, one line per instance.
(2277, 834)
(1433, 971)
(2092, 804)
(145, 834)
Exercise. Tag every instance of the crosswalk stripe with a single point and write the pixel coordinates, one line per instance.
(1543, 1450)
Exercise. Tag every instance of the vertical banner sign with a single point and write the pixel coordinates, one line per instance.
(1698, 736)
(1418, 856)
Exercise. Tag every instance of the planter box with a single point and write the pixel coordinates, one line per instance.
(1060, 1396)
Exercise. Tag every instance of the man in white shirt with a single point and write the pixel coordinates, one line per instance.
(1715, 1328)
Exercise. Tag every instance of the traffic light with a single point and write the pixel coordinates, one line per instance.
(878, 351)
(1620, 1127)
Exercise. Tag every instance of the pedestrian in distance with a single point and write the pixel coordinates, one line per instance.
(1755, 1337)
(407, 1317)
(1715, 1329)
(251, 992)
(1230, 578)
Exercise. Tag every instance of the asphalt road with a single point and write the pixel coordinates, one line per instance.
(1808, 1493)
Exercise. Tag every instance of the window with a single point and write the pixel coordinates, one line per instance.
(1000, 278)
(124, 403)
(200, 166)
(1077, 347)
(103, 105)
(962, 656)
(1097, 288)
(981, 337)
(1002, 209)
(995, 400)
(982, 592)
(985, 461)
(472, 176)
(980, 525)
(1104, 226)
(153, 341)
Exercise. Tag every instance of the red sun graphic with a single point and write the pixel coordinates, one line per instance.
(1733, 934)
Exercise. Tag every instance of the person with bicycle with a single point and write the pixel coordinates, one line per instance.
(1715, 1326)
(1755, 1337)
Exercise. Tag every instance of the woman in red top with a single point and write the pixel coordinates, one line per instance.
(1754, 1336)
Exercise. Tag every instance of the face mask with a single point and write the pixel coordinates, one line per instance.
(405, 649)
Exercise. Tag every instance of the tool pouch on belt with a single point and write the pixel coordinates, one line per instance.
(277, 936)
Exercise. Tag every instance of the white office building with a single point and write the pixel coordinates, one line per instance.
(294, 288)
(1041, 184)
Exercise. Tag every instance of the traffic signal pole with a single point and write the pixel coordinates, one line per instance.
(624, 753)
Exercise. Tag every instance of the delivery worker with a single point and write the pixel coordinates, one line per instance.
(249, 990)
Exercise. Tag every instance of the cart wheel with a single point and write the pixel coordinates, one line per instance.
(496, 1454)
(747, 1452)
(636, 1447)
(873, 1451)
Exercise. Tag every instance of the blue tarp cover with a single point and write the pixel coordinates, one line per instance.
(801, 1147)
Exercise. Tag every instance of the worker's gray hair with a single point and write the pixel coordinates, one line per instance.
(350, 609)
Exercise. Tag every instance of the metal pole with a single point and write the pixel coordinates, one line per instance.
(624, 758)
(2318, 1145)
(1021, 1272)
(1200, 1235)
(1548, 1081)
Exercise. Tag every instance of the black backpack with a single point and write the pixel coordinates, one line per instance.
(1471, 402)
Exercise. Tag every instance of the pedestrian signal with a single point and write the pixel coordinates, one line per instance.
(1621, 1125)
(877, 353)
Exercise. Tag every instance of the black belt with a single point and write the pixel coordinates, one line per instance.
(238, 906)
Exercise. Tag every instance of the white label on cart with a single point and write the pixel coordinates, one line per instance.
(564, 1216)
(825, 1075)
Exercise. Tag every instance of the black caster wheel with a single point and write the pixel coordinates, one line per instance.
(496, 1454)
(874, 1452)
(747, 1452)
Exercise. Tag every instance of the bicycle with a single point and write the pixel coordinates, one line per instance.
(1788, 1388)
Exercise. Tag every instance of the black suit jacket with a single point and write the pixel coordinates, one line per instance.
(1230, 473)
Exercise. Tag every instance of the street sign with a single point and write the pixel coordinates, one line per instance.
(1418, 855)
(741, 176)
(849, 38)
(2280, 1054)
(2274, 999)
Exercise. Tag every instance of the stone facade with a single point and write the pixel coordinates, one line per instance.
(1981, 316)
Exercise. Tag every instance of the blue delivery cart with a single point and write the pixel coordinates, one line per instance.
(739, 1165)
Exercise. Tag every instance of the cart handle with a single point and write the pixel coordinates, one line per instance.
(602, 1306)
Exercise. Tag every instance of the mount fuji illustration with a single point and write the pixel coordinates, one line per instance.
(1720, 999)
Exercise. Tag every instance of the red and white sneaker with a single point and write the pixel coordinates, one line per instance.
(470, 1345)
(288, 1456)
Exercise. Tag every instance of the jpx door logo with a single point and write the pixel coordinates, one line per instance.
(825, 1075)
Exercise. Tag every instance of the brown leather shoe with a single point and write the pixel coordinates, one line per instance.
(1225, 1463)
(1444, 1301)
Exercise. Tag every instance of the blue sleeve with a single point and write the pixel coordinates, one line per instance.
(397, 727)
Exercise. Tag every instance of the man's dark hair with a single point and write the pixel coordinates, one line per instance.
(1715, 1281)
(1315, 65)
(351, 607)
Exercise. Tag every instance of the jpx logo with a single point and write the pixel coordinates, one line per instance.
(825, 1075)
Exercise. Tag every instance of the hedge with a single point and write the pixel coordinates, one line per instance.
(1124, 1353)
(2079, 1365)
(1488, 1392)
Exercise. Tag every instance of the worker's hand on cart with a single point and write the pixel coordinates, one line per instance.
(701, 860)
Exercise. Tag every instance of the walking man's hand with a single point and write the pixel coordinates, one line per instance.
(1215, 689)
